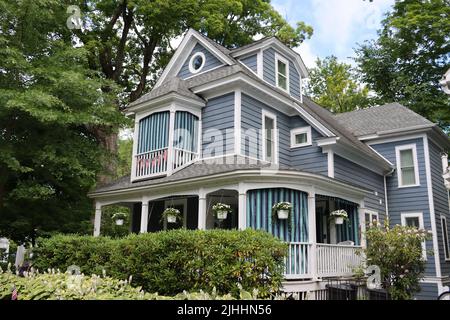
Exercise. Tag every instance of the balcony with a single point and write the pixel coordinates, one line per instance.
(165, 141)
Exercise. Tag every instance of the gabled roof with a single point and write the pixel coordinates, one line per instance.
(388, 117)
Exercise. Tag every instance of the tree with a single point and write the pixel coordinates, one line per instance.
(410, 56)
(335, 86)
(129, 41)
(49, 101)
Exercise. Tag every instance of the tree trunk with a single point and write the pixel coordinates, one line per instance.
(108, 140)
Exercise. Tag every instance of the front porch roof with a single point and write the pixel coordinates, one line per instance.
(228, 167)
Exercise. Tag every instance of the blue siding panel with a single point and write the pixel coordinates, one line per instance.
(211, 62)
(251, 62)
(429, 291)
(294, 81)
(351, 172)
(218, 123)
(440, 199)
(269, 66)
(413, 199)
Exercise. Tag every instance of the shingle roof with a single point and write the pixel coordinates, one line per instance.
(387, 117)
(174, 84)
(198, 170)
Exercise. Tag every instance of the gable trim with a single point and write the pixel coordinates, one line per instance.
(191, 38)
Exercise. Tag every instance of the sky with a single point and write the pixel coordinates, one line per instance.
(339, 25)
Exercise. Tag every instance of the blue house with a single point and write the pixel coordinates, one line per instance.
(234, 127)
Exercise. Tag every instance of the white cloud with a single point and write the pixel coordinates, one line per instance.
(308, 56)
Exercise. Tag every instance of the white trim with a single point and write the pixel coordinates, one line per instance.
(371, 214)
(237, 121)
(419, 215)
(273, 116)
(282, 59)
(330, 163)
(395, 139)
(445, 235)
(381, 156)
(185, 48)
(437, 260)
(398, 150)
(191, 61)
(301, 130)
(177, 202)
(260, 64)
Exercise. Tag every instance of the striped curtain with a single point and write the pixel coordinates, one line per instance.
(186, 131)
(154, 132)
(259, 213)
(349, 230)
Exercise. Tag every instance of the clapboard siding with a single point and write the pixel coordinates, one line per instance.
(218, 124)
(412, 199)
(251, 62)
(440, 198)
(428, 291)
(310, 158)
(210, 62)
(351, 172)
(251, 124)
(269, 66)
(294, 80)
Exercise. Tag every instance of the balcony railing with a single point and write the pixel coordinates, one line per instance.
(160, 162)
(331, 260)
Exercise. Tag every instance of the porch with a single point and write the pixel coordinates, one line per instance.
(318, 248)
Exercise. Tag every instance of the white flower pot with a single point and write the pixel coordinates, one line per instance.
(171, 218)
(339, 220)
(283, 214)
(119, 222)
(222, 215)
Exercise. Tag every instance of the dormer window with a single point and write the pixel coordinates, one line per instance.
(282, 72)
(197, 62)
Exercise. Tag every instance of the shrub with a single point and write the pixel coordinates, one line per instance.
(173, 261)
(398, 253)
(63, 286)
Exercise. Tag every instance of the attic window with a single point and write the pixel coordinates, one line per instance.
(282, 72)
(197, 62)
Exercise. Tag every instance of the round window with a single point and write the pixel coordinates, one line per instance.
(197, 62)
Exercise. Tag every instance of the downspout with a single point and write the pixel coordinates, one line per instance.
(385, 192)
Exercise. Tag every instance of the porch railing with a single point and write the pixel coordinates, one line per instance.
(297, 261)
(156, 162)
(337, 260)
(331, 260)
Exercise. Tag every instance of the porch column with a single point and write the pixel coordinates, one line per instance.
(201, 210)
(362, 223)
(97, 219)
(144, 217)
(242, 209)
(312, 234)
(170, 151)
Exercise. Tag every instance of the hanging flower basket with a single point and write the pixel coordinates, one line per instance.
(282, 210)
(339, 216)
(119, 218)
(171, 215)
(221, 210)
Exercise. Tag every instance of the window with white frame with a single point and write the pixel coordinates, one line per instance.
(407, 167)
(414, 219)
(197, 62)
(269, 143)
(282, 72)
(445, 238)
(372, 218)
(301, 137)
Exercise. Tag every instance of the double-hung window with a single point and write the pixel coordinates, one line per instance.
(282, 72)
(414, 220)
(269, 143)
(407, 167)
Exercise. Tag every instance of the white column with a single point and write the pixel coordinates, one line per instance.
(362, 223)
(144, 217)
(97, 219)
(201, 210)
(170, 151)
(242, 220)
(312, 234)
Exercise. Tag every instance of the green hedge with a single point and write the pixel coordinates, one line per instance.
(173, 261)
(63, 286)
